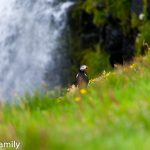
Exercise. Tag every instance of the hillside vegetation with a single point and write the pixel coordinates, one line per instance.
(112, 114)
(93, 24)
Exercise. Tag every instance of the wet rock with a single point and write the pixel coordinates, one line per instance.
(112, 40)
(148, 9)
(137, 6)
(90, 33)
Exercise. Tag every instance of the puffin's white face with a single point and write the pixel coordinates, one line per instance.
(83, 68)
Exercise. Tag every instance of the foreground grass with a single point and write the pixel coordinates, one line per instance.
(112, 114)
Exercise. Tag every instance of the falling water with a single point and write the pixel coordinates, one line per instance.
(30, 31)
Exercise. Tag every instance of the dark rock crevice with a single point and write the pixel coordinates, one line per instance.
(110, 36)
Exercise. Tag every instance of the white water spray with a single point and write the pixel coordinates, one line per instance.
(29, 33)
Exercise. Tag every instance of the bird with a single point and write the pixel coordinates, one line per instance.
(82, 78)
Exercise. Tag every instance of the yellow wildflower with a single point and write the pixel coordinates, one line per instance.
(132, 66)
(83, 91)
(107, 74)
(92, 80)
(77, 99)
(104, 72)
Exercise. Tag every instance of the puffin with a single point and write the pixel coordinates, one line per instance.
(82, 78)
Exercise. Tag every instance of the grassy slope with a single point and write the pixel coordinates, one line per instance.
(113, 114)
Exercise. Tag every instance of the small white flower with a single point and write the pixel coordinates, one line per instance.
(141, 16)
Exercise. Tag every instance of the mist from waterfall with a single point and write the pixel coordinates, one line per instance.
(29, 41)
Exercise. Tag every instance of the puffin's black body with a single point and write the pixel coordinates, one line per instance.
(82, 79)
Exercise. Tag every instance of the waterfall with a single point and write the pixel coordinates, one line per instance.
(30, 33)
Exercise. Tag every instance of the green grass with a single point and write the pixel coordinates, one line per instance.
(112, 114)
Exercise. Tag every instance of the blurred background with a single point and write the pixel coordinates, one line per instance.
(43, 42)
(105, 32)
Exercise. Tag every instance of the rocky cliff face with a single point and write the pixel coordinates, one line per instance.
(115, 36)
(137, 6)
(148, 8)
